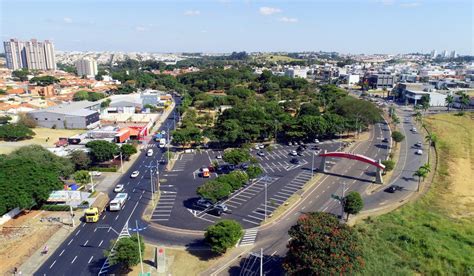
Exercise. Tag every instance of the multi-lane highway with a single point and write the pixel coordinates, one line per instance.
(82, 253)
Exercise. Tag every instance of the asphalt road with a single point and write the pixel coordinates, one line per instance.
(356, 176)
(82, 253)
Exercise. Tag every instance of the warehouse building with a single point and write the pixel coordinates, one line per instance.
(73, 115)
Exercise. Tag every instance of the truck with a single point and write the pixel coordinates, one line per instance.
(94, 211)
(118, 202)
(162, 142)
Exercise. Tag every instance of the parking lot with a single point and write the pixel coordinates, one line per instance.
(282, 178)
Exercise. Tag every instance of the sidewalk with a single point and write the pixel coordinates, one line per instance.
(37, 258)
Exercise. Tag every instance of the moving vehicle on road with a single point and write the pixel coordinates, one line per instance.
(419, 144)
(384, 140)
(162, 142)
(118, 202)
(93, 213)
(149, 152)
(419, 152)
(118, 188)
(135, 174)
(392, 189)
(413, 129)
(295, 161)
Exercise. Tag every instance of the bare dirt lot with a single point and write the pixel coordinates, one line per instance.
(23, 235)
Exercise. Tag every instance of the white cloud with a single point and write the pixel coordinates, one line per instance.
(410, 5)
(269, 10)
(192, 12)
(386, 2)
(140, 29)
(288, 19)
(67, 20)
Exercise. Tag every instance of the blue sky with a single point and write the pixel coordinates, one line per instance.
(347, 26)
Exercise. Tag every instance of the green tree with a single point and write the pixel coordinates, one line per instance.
(82, 177)
(432, 139)
(15, 132)
(101, 150)
(26, 120)
(421, 173)
(321, 245)
(126, 251)
(236, 156)
(214, 190)
(105, 103)
(80, 159)
(223, 235)
(5, 119)
(464, 100)
(80, 96)
(395, 119)
(449, 101)
(44, 80)
(254, 171)
(397, 136)
(389, 165)
(127, 150)
(21, 75)
(353, 204)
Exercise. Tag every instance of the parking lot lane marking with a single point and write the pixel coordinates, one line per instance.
(52, 264)
(280, 196)
(117, 217)
(276, 199)
(78, 232)
(164, 206)
(90, 260)
(101, 242)
(240, 199)
(162, 211)
(83, 225)
(86, 243)
(253, 222)
(159, 219)
(165, 203)
(246, 196)
(74, 260)
(230, 205)
(70, 242)
(160, 215)
(254, 217)
(271, 168)
(62, 252)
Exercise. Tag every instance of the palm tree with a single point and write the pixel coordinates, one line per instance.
(431, 138)
(449, 101)
(418, 116)
(420, 173)
(464, 100)
(427, 168)
(395, 120)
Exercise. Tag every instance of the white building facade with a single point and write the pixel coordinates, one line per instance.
(86, 67)
(31, 54)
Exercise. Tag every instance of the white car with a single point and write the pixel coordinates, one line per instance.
(419, 152)
(219, 156)
(118, 188)
(134, 174)
(419, 144)
(95, 173)
(413, 129)
(149, 152)
(261, 146)
(316, 141)
(257, 146)
(293, 153)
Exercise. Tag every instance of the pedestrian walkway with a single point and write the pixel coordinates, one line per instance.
(164, 207)
(180, 164)
(250, 235)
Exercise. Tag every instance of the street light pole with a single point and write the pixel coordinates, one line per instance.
(92, 182)
(168, 134)
(261, 261)
(121, 163)
(265, 198)
(139, 248)
(70, 210)
(342, 199)
(151, 186)
(312, 166)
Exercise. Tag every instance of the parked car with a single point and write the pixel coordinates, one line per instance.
(257, 146)
(261, 153)
(222, 207)
(295, 161)
(219, 156)
(134, 174)
(419, 152)
(316, 141)
(301, 148)
(290, 144)
(244, 166)
(293, 153)
(203, 203)
(118, 188)
(261, 146)
(392, 189)
(95, 173)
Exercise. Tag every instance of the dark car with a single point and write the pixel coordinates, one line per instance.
(392, 189)
(295, 161)
(203, 203)
(244, 166)
(215, 211)
(300, 152)
(301, 148)
(385, 140)
(261, 153)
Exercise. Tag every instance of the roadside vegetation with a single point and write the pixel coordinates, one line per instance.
(223, 235)
(434, 235)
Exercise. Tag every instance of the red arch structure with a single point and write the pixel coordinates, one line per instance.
(358, 157)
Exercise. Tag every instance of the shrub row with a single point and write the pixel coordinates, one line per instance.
(100, 169)
(222, 186)
(52, 207)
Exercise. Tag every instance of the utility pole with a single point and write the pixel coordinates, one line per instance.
(157, 174)
(168, 140)
(342, 199)
(261, 261)
(265, 198)
(312, 165)
(151, 186)
(121, 163)
(70, 209)
(92, 182)
(139, 248)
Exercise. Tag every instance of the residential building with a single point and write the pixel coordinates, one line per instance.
(31, 54)
(86, 67)
(434, 54)
(296, 73)
(72, 115)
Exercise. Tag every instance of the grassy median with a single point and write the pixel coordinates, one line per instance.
(434, 235)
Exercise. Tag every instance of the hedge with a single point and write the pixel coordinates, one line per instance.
(52, 207)
(100, 169)
(223, 186)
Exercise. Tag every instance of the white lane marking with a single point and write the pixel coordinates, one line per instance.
(86, 243)
(90, 260)
(101, 242)
(78, 232)
(52, 264)
(70, 242)
(83, 225)
(60, 254)
(104, 216)
(117, 217)
(74, 260)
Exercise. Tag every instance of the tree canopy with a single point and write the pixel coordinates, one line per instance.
(353, 203)
(321, 245)
(236, 156)
(44, 80)
(15, 132)
(223, 235)
(101, 150)
(126, 251)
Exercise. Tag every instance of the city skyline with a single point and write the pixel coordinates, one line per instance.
(366, 26)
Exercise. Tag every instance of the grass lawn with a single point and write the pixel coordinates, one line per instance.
(275, 58)
(434, 235)
(40, 138)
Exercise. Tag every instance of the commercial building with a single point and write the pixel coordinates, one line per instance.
(74, 115)
(380, 81)
(86, 67)
(31, 54)
(296, 73)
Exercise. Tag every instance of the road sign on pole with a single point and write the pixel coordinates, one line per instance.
(161, 261)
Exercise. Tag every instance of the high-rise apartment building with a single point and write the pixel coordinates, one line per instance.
(86, 67)
(31, 54)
